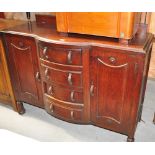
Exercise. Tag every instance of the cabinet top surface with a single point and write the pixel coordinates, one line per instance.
(49, 34)
(7, 23)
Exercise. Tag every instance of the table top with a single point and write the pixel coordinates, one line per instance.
(7, 23)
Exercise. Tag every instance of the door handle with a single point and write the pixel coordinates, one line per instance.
(70, 79)
(47, 73)
(50, 90)
(92, 89)
(69, 57)
(45, 52)
(72, 96)
(38, 76)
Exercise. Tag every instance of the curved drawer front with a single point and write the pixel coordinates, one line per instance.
(64, 110)
(63, 77)
(111, 58)
(58, 54)
(64, 94)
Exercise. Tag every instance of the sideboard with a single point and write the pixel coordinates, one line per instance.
(80, 78)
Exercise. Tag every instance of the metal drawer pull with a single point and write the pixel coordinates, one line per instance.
(50, 90)
(112, 59)
(51, 108)
(38, 76)
(72, 96)
(72, 114)
(45, 52)
(92, 89)
(46, 73)
(70, 79)
(69, 57)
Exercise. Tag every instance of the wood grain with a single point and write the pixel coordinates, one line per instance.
(113, 74)
(110, 24)
(24, 69)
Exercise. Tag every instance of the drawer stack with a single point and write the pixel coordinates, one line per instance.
(62, 75)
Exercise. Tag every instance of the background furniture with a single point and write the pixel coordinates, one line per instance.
(122, 25)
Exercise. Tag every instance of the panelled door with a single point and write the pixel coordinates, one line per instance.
(113, 78)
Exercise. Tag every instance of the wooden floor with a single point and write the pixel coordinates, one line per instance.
(152, 63)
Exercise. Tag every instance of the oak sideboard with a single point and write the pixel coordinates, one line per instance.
(80, 78)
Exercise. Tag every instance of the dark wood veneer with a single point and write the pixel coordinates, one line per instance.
(24, 69)
(100, 82)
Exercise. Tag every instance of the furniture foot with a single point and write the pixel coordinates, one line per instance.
(130, 139)
(20, 107)
(154, 119)
(140, 113)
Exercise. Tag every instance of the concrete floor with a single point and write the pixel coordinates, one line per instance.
(39, 125)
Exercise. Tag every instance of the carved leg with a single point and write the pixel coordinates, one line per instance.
(130, 139)
(20, 107)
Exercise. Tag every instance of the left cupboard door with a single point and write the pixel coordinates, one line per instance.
(24, 69)
(6, 92)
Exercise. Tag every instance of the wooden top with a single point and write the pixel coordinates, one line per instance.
(7, 23)
(49, 34)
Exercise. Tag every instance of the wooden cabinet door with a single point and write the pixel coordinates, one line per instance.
(114, 85)
(4, 89)
(24, 69)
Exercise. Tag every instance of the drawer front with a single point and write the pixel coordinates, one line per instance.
(111, 57)
(64, 94)
(61, 55)
(63, 77)
(57, 109)
(21, 43)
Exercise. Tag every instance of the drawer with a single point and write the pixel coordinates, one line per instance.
(58, 54)
(21, 43)
(66, 112)
(63, 77)
(111, 57)
(63, 93)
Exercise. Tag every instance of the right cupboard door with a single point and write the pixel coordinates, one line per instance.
(113, 84)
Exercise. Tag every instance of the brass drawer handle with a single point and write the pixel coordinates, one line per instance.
(46, 73)
(20, 48)
(50, 90)
(72, 114)
(70, 79)
(72, 96)
(112, 59)
(69, 57)
(45, 52)
(38, 76)
(51, 108)
(92, 89)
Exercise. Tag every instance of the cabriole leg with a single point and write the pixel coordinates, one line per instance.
(20, 107)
